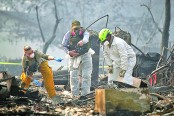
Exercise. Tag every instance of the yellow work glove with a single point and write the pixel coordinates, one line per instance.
(122, 73)
(110, 69)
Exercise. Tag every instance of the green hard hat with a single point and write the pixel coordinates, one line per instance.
(103, 34)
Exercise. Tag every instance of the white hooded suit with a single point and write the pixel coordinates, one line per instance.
(122, 57)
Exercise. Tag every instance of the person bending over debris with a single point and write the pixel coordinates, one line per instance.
(76, 45)
(33, 61)
(119, 56)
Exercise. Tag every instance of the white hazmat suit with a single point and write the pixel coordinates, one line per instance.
(121, 56)
(79, 65)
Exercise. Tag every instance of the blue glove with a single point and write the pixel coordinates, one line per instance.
(58, 59)
(37, 83)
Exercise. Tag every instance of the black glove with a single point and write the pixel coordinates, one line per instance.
(29, 73)
(73, 53)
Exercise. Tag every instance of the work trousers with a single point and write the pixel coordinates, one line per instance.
(84, 68)
(47, 75)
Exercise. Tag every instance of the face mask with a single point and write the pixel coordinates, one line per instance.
(106, 43)
(77, 32)
(32, 55)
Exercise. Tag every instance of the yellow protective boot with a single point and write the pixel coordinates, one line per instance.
(25, 81)
(47, 75)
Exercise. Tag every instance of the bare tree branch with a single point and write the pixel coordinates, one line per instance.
(47, 43)
(152, 18)
(151, 37)
(140, 30)
(42, 35)
(141, 27)
(155, 31)
(57, 19)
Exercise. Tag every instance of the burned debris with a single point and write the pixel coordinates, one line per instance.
(151, 93)
(88, 104)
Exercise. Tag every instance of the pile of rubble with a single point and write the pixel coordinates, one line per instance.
(47, 109)
(15, 105)
(36, 102)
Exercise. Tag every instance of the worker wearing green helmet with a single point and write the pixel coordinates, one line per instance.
(119, 56)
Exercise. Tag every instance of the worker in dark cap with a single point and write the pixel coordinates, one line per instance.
(76, 45)
(34, 61)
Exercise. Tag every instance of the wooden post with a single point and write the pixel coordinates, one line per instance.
(121, 101)
(100, 101)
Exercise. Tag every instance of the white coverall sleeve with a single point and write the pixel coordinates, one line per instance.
(65, 42)
(123, 56)
(108, 60)
(85, 37)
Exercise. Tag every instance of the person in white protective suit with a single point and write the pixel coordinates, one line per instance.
(76, 45)
(119, 57)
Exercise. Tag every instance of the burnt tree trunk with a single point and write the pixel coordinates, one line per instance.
(50, 40)
(165, 34)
